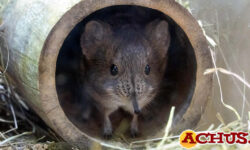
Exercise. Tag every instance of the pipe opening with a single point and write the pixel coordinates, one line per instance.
(178, 83)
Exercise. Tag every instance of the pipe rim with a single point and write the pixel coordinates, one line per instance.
(47, 85)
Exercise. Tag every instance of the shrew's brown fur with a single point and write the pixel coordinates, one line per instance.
(131, 48)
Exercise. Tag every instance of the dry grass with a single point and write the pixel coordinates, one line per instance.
(13, 114)
(18, 124)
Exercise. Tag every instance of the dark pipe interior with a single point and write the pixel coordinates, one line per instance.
(179, 81)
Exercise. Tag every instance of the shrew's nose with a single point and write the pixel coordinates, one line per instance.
(135, 104)
(137, 111)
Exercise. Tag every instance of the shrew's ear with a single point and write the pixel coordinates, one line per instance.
(95, 33)
(158, 34)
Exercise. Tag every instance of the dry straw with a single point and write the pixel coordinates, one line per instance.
(9, 98)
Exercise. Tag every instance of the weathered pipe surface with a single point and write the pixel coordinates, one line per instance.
(35, 31)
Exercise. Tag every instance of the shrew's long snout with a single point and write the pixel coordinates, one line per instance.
(135, 104)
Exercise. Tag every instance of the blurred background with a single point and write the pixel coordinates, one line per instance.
(227, 22)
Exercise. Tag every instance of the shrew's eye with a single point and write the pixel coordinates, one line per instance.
(113, 70)
(147, 70)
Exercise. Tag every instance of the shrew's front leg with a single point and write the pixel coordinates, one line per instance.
(107, 125)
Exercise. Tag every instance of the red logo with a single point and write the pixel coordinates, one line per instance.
(189, 138)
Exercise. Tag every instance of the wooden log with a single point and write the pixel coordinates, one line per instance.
(34, 31)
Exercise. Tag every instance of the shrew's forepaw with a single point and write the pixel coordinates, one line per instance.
(107, 131)
(107, 134)
(134, 132)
